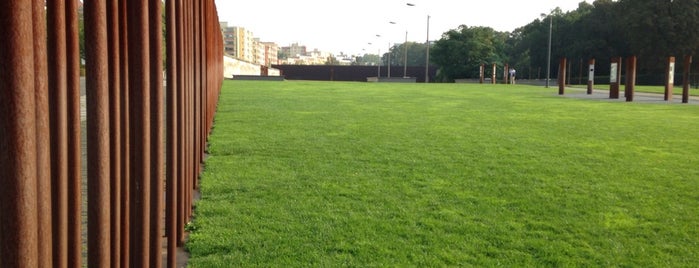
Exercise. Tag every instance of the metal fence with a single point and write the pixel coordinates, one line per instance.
(145, 141)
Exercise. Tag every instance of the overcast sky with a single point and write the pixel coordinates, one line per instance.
(348, 26)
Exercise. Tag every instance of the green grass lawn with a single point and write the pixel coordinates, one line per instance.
(320, 174)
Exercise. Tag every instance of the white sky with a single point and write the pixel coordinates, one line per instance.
(348, 27)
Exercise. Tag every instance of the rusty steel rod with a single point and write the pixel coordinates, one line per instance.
(18, 199)
(156, 121)
(180, 122)
(125, 138)
(43, 138)
(74, 135)
(115, 130)
(58, 92)
(172, 138)
(139, 109)
(97, 82)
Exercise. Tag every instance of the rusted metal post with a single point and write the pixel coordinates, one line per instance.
(115, 130)
(562, 76)
(590, 76)
(18, 175)
(179, 7)
(482, 73)
(59, 128)
(97, 82)
(125, 138)
(75, 245)
(685, 79)
(43, 138)
(156, 121)
(18, 137)
(614, 77)
(669, 78)
(140, 128)
(630, 78)
(493, 79)
(172, 131)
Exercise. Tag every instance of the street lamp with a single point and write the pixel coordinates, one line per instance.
(427, 50)
(548, 62)
(405, 53)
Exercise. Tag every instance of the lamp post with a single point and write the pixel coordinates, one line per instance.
(427, 50)
(548, 58)
(427, 57)
(405, 52)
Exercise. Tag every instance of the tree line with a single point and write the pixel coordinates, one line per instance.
(652, 30)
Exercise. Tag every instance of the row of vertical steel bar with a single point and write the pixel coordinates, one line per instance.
(144, 142)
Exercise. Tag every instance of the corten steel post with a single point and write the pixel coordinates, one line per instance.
(482, 73)
(156, 121)
(59, 128)
(18, 175)
(580, 77)
(562, 76)
(97, 81)
(74, 135)
(685, 79)
(140, 128)
(669, 78)
(614, 77)
(590, 76)
(125, 138)
(630, 78)
(172, 144)
(494, 74)
(115, 130)
(43, 138)
(197, 91)
(180, 122)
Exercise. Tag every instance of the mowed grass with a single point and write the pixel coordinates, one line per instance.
(321, 174)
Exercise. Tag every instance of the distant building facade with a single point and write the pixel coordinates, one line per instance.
(241, 44)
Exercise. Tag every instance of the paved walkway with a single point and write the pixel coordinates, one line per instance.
(639, 97)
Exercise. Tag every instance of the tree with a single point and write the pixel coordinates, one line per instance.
(460, 52)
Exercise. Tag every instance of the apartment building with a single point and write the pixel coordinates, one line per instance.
(241, 44)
